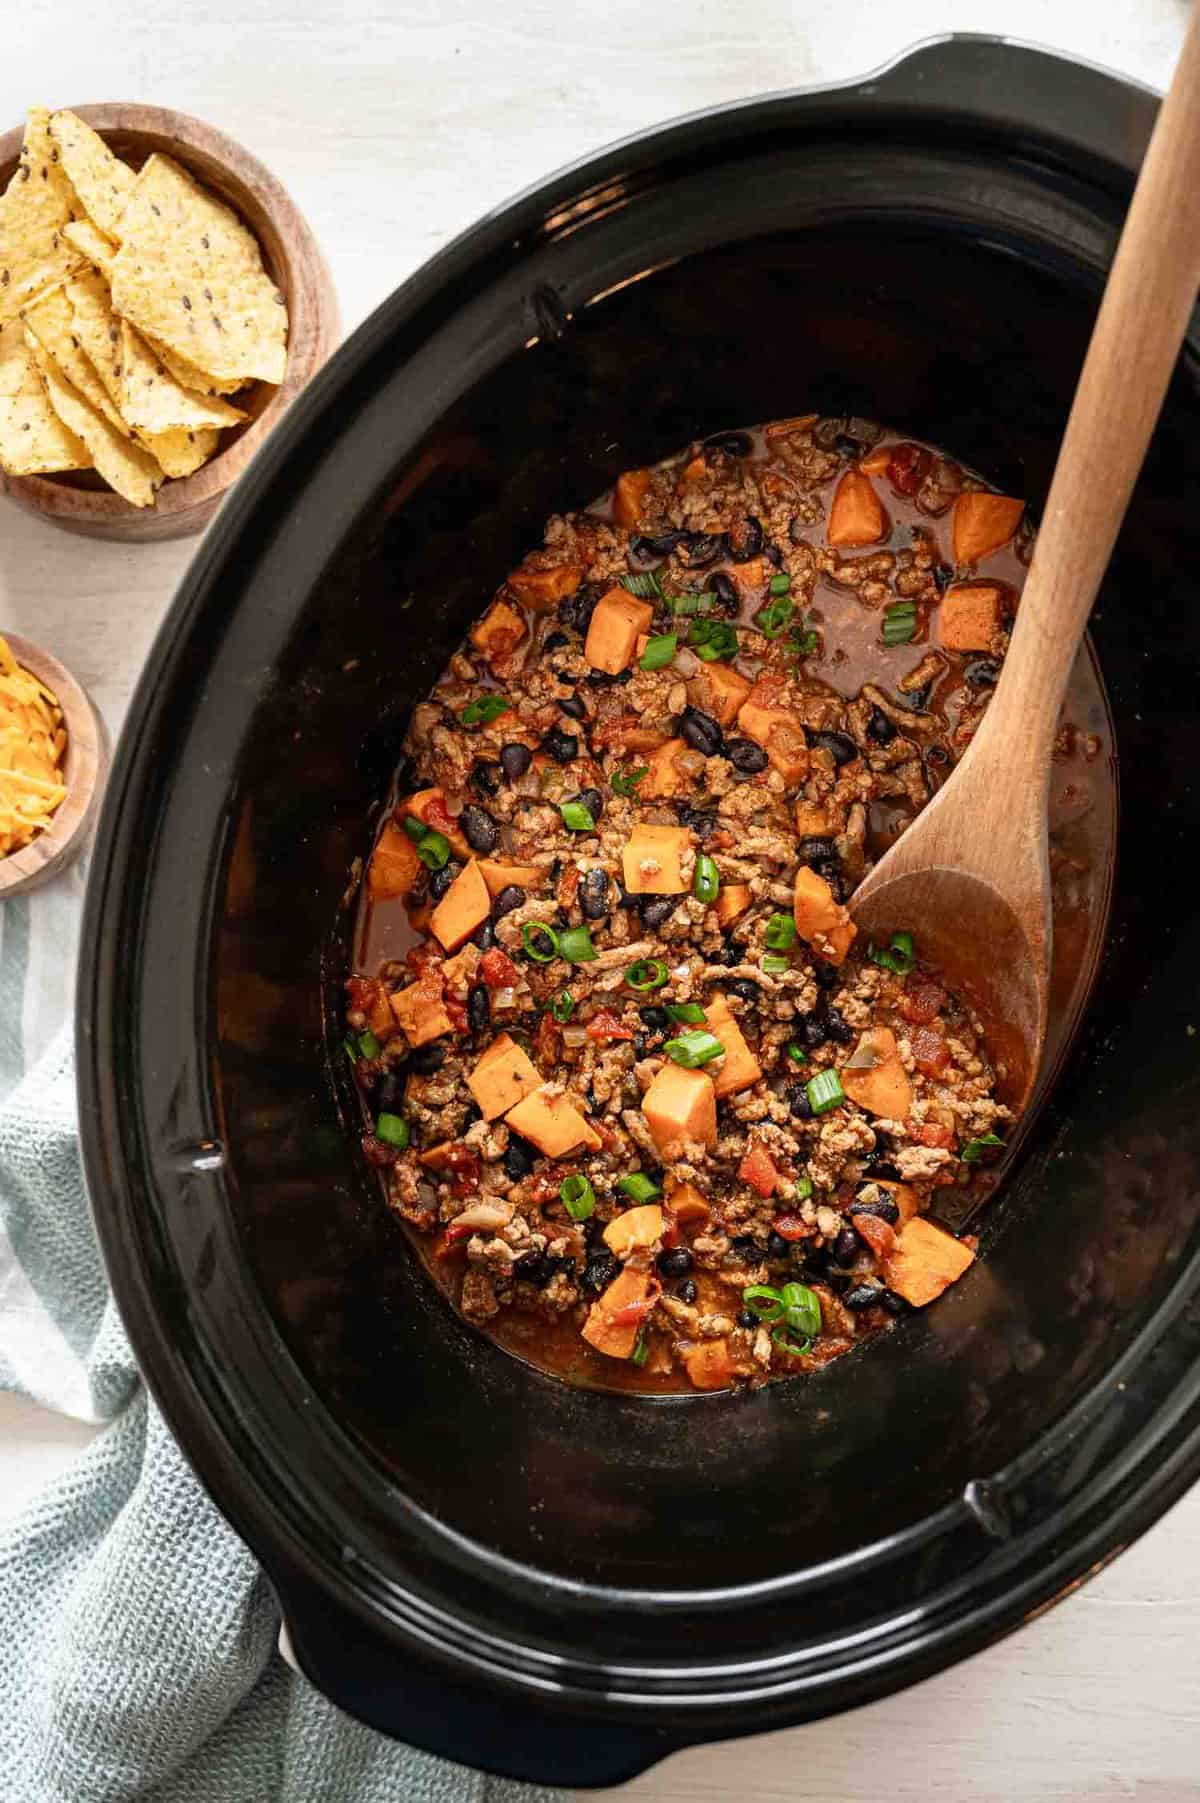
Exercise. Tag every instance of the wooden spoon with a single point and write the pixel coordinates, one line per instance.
(970, 878)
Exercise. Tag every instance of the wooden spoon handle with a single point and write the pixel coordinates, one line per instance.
(1139, 329)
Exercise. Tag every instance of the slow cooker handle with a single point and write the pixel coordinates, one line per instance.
(371, 1681)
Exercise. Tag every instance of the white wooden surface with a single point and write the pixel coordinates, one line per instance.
(395, 125)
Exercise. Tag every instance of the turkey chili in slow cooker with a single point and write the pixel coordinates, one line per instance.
(659, 1117)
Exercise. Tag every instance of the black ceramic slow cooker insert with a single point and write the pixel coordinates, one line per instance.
(551, 1582)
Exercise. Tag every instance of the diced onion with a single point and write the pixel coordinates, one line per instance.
(574, 1036)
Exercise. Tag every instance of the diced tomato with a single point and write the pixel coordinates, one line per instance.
(377, 1151)
(424, 957)
(605, 1025)
(758, 1170)
(456, 1013)
(454, 1239)
(791, 1227)
(908, 466)
(921, 1001)
(930, 1052)
(670, 1232)
(568, 883)
(544, 1188)
(460, 1164)
(498, 970)
(437, 817)
(933, 1135)
(878, 1234)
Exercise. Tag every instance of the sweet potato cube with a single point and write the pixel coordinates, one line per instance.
(651, 858)
(684, 1201)
(498, 875)
(663, 778)
(395, 865)
(969, 617)
(420, 1012)
(926, 1261)
(635, 1230)
(464, 908)
(499, 632)
(552, 1123)
(612, 636)
(883, 1088)
(504, 1075)
(875, 462)
(812, 822)
(856, 517)
(541, 590)
(732, 901)
(420, 806)
(629, 496)
(982, 523)
(718, 689)
(739, 1068)
(615, 1318)
(777, 730)
(695, 470)
(680, 1105)
(821, 921)
(709, 1365)
(749, 578)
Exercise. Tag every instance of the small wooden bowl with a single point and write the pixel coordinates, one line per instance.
(80, 501)
(84, 764)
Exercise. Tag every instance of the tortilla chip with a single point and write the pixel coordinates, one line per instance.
(190, 273)
(91, 244)
(181, 452)
(38, 202)
(190, 375)
(100, 179)
(125, 466)
(51, 319)
(33, 440)
(153, 401)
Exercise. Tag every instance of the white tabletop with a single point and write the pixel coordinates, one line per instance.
(394, 126)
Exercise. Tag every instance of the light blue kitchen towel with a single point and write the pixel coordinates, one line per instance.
(137, 1636)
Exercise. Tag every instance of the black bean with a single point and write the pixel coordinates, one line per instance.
(657, 909)
(480, 830)
(573, 706)
(485, 776)
(731, 953)
(917, 699)
(510, 897)
(812, 1031)
(746, 988)
(535, 1268)
(675, 1262)
(474, 1113)
(593, 801)
(518, 1158)
(845, 1247)
(734, 444)
(655, 544)
(846, 445)
(389, 1092)
(599, 1271)
(576, 610)
(798, 1102)
(826, 976)
(839, 1030)
(818, 1262)
(826, 432)
(863, 1295)
(895, 1305)
(883, 1210)
(875, 1166)
(601, 679)
(983, 672)
(554, 641)
(593, 894)
(746, 756)
(441, 879)
(725, 589)
(479, 1007)
(773, 555)
(943, 575)
(515, 760)
(698, 549)
(839, 745)
(745, 538)
(839, 1282)
(937, 755)
(880, 728)
(640, 1044)
(484, 937)
(777, 1246)
(700, 823)
(686, 1291)
(828, 868)
(745, 1245)
(562, 746)
(747, 1318)
(814, 846)
(701, 732)
(428, 1058)
(624, 899)
(655, 1020)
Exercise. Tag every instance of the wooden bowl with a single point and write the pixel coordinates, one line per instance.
(84, 764)
(80, 501)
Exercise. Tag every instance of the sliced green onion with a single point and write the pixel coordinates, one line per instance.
(624, 782)
(774, 964)
(578, 1197)
(779, 585)
(576, 817)
(392, 1129)
(825, 1092)
(802, 1309)
(693, 1049)
(659, 651)
(484, 709)
(780, 932)
(804, 1189)
(973, 1151)
(806, 642)
(699, 603)
(641, 1347)
(351, 1050)
(775, 617)
(796, 1052)
(899, 956)
(764, 1302)
(647, 973)
(645, 585)
(899, 623)
(562, 1007)
(416, 829)
(638, 1187)
(434, 851)
(539, 952)
(782, 1337)
(686, 1013)
(575, 945)
(711, 639)
(706, 883)
(368, 1045)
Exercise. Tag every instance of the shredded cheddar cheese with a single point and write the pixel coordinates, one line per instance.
(32, 742)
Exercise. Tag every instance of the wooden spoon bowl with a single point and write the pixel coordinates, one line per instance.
(80, 501)
(85, 762)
